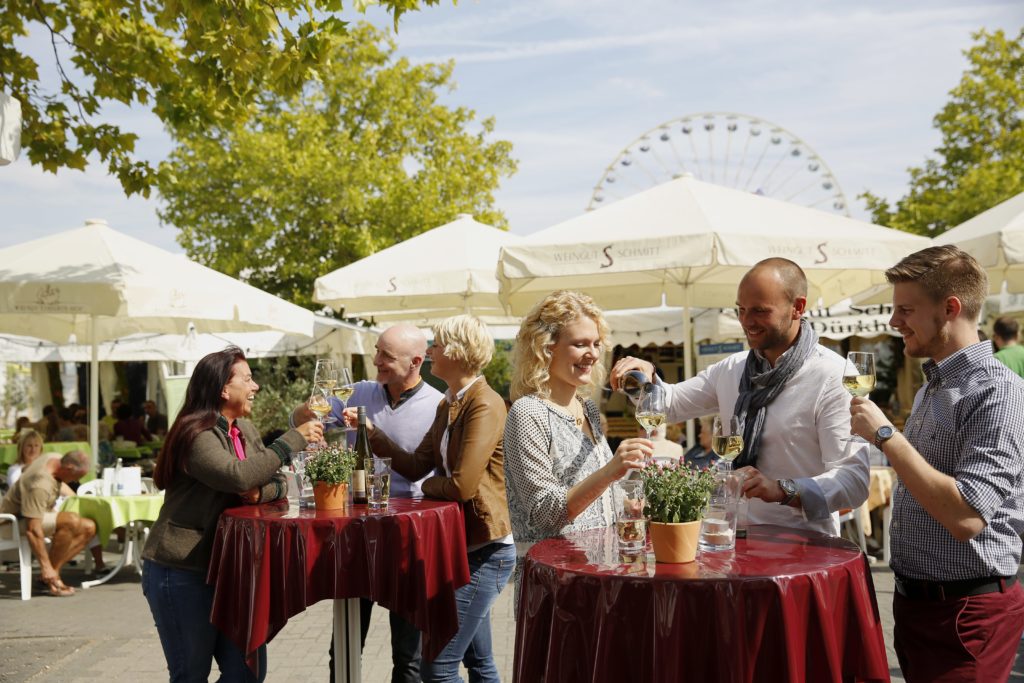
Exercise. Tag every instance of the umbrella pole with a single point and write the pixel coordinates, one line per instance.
(688, 359)
(94, 393)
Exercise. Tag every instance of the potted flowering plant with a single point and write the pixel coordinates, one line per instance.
(329, 470)
(676, 496)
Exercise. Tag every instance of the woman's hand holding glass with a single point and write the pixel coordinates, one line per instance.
(312, 431)
(631, 454)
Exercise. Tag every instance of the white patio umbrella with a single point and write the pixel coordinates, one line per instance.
(99, 285)
(996, 238)
(439, 273)
(691, 242)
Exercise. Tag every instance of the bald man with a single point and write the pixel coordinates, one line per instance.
(404, 406)
(788, 390)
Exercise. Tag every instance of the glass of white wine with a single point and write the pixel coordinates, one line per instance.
(650, 409)
(344, 389)
(320, 404)
(325, 375)
(727, 439)
(859, 378)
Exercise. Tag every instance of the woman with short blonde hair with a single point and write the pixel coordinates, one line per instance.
(558, 466)
(466, 340)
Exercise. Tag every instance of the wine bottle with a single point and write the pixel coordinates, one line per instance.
(362, 453)
(118, 484)
(633, 383)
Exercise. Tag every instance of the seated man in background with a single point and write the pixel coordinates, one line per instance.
(129, 427)
(32, 500)
(156, 423)
(701, 456)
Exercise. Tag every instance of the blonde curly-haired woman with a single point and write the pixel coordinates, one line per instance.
(558, 466)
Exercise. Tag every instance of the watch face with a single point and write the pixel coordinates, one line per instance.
(884, 432)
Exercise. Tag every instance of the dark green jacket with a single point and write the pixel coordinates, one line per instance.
(210, 482)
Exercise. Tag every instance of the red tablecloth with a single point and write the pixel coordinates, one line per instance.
(270, 562)
(786, 605)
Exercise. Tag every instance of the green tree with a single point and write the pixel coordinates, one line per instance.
(194, 63)
(981, 159)
(285, 382)
(499, 371)
(362, 158)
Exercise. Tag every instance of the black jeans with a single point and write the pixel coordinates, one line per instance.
(405, 645)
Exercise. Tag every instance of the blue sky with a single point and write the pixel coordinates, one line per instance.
(571, 83)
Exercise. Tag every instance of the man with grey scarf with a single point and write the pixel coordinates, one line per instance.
(798, 470)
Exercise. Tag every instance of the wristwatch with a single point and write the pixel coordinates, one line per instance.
(884, 433)
(789, 490)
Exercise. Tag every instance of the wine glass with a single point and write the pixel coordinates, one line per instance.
(326, 374)
(727, 440)
(319, 402)
(650, 409)
(859, 378)
(344, 389)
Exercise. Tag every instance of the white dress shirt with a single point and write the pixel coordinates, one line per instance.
(801, 440)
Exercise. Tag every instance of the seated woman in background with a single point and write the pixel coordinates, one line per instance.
(212, 459)
(464, 448)
(558, 466)
(30, 447)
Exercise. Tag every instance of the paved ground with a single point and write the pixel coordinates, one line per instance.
(106, 634)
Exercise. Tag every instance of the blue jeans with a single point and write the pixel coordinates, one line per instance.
(489, 569)
(181, 602)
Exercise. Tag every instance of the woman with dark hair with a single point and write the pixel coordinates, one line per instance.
(212, 459)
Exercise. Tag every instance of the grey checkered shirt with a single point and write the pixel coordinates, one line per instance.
(968, 423)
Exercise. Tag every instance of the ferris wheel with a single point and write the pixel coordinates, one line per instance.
(734, 150)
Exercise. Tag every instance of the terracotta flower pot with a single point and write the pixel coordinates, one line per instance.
(674, 542)
(330, 496)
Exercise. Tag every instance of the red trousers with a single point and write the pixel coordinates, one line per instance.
(964, 639)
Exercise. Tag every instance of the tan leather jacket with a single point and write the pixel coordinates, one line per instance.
(475, 459)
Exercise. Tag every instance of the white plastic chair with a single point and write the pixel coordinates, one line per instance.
(11, 538)
(853, 515)
(90, 487)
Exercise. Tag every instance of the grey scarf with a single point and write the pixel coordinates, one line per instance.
(759, 386)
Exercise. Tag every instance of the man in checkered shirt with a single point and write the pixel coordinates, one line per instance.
(957, 511)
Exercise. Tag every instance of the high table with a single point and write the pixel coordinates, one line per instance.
(272, 561)
(786, 605)
(111, 512)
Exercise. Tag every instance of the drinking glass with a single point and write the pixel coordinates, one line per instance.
(325, 375)
(303, 488)
(727, 439)
(378, 483)
(344, 389)
(319, 402)
(859, 378)
(650, 409)
(630, 524)
(718, 525)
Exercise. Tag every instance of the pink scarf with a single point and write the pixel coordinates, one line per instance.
(236, 438)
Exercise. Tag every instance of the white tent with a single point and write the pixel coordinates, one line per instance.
(690, 242)
(996, 238)
(439, 273)
(100, 285)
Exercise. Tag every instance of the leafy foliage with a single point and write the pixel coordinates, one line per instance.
(331, 465)
(364, 156)
(980, 162)
(499, 371)
(676, 493)
(195, 63)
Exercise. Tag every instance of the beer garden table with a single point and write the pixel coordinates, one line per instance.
(785, 606)
(112, 512)
(272, 561)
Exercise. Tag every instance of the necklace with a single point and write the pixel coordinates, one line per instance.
(574, 409)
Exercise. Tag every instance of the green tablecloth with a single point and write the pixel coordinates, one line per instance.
(111, 512)
(8, 453)
(128, 453)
